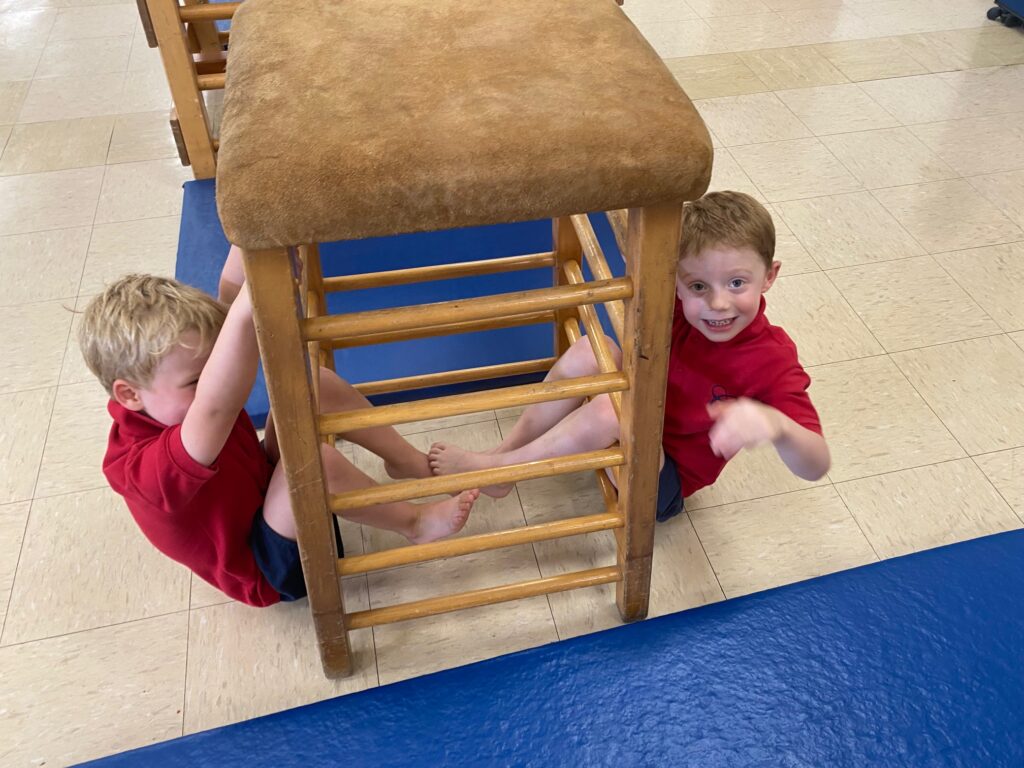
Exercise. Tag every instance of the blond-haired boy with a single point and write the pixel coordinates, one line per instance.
(734, 380)
(186, 458)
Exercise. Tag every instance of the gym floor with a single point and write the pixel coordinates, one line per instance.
(885, 136)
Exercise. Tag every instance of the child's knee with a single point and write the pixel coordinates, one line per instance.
(603, 413)
(579, 359)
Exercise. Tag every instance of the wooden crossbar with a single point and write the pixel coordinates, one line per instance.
(212, 82)
(470, 402)
(208, 12)
(465, 310)
(444, 329)
(435, 550)
(514, 473)
(592, 325)
(438, 272)
(477, 597)
(598, 267)
(456, 377)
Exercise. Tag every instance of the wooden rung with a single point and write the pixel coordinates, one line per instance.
(438, 272)
(620, 223)
(599, 268)
(223, 37)
(207, 12)
(465, 310)
(571, 328)
(210, 82)
(445, 329)
(598, 341)
(212, 66)
(431, 486)
(471, 402)
(478, 597)
(456, 377)
(421, 553)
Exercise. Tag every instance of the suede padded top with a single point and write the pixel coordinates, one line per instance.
(346, 119)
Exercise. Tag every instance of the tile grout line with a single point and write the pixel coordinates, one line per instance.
(126, 622)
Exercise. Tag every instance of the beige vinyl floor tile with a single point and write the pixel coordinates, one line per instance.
(751, 474)
(97, 21)
(12, 98)
(888, 157)
(936, 311)
(994, 277)
(26, 26)
(1005, 191)
(974, 387)
(42, 266)
(829, 109)
(795, 259)
(36, 350)
(918, 99)
(875, 421)
(22, 436)
(845, 230)
(84, 56)
(821, 323)
(56, 200)
(20, 62)
(970, 146)
(714, 75)
(64, 587)
(412, 648)
(926, 507)
(142, 136)
(144, 190)
(726, 174)
(71, 96)
(875, 59)
(989, 90)
(277, 666)
(92, 694)
(952, 49)
(1005, 470)
(750, 119)
(149, 246)
(756, 545)
(796, 67)
(926, 211)
(13, 518)
(52, 146)
(77, 441)
(788, 170)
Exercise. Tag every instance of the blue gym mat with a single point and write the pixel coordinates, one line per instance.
(202, 249)
(916, 661)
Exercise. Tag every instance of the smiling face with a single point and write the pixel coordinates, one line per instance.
(720, 289)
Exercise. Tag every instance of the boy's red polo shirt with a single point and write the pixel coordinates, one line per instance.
(199, 516)
(760, 363)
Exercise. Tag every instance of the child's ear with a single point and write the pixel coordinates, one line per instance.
(127, 394)
(773, 272)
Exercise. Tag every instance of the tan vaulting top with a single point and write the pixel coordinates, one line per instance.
(346, 119)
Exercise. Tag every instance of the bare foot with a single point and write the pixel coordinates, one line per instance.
(415, 465)
(447, 459)
(443, 518)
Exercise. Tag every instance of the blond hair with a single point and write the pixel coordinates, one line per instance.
(731, 219)
(129, 328)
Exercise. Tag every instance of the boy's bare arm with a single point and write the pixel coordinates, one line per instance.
(746, 423)
(224, 384)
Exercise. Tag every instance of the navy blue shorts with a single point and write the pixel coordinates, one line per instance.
(278, 557)
(670, 492)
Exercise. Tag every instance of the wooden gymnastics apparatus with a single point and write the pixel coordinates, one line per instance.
(408, 117)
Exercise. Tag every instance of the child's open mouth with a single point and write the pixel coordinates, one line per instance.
(720, 325)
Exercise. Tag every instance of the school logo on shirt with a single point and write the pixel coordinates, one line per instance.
(718, 393)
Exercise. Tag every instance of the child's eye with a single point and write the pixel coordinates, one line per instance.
(737, 282)
(697, 287)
